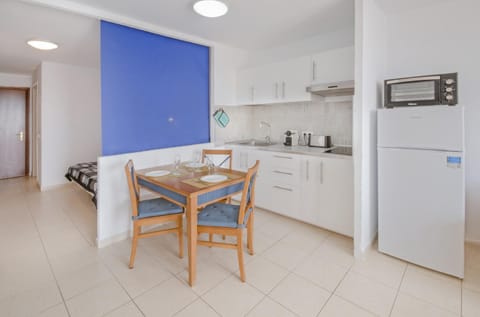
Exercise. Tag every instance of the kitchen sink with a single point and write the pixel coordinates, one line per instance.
(254, 142)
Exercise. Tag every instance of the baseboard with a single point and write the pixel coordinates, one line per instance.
(51, 187)
(471, 241)
(111, 240)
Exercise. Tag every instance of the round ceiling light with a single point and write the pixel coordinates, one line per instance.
(42, 45)
(210, 8)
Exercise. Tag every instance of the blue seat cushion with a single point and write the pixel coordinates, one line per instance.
(221, 215)
(157, 207)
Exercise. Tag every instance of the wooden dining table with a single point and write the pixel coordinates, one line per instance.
(185, 187)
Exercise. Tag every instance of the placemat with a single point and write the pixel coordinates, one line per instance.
(197, 182)
(168, 176)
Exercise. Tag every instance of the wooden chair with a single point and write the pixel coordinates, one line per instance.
(206, 153)
(230, 220)
(151, 212)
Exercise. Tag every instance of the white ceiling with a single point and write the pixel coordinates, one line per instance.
(396, 6)
(77, 36)
(249, 24)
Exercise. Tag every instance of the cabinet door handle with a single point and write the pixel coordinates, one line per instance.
(283, 90)
(276, 90)
(314, 71)
(283, 157)
(283, 188)
(284, 173)
(252, 93)
(321, 172)
(308, 171)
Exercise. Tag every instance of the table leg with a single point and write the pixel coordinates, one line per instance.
(192, 238)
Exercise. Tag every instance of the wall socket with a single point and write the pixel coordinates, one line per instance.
(306, 132)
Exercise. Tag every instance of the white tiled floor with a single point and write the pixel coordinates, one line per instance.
(51, 267)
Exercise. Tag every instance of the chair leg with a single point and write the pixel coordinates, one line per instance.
(240, 255)
(250, 234)
(136, 231)
(180, 236)
(210, 238)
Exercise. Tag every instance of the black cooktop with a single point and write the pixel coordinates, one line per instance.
(341, 150)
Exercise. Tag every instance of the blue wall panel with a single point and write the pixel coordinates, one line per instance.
(148, 79)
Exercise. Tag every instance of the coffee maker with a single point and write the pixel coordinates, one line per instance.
(290, 138)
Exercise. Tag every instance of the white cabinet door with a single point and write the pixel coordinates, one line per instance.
(284, 81)
(327, 193)
(336, 192)
(333, 66)
(293, 80)
(311, 199)
(265, 80)
(245, 87)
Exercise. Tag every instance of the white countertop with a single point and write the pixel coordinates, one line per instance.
(298, 149)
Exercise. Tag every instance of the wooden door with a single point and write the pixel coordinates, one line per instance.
(13, 132)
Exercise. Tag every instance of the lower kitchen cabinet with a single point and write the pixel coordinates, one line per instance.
(327, 194)
(316, 190)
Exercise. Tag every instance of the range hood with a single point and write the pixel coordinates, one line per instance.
(341, 88)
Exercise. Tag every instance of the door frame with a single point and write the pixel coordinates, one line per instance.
(27, 124)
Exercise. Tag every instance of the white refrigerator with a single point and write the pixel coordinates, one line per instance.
(421, 186)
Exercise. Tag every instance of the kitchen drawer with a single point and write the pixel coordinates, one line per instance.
(284, 176)
(283, 160)
(285, 199)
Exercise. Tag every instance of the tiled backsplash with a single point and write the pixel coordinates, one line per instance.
(326, 118)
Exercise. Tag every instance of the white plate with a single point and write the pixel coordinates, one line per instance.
(157, 173)
(195, 164)
(214, 178)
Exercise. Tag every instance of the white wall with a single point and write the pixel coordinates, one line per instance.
(70, 119)
(226, 61)
(440, 38)
(15, 80)
(114, 212)
(370, 41)
(324, 42)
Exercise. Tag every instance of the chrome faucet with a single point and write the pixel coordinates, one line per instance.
(267, 124)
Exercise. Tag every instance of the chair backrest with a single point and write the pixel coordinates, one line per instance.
(227, 153)
(248, 193)
(132, 186)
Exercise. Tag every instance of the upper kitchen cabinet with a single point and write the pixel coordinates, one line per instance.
(274, 83)
(246, 83)
(293, 80)
(333, 66)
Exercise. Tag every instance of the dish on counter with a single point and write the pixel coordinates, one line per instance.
(214, 178)
(157, 173)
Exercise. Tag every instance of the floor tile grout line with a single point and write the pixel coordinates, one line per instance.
(124, 289)
(48, 260)
(398, 290)
(350, 270)
(432, 304)
(216, 312)
(198, 298)
(429, 302)
(274, 287)
(290, 272)
(184, 307)
(376, 280)
(76, 226)
(296, 265)
(461, 299)
(333, 292)
(253, 307)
